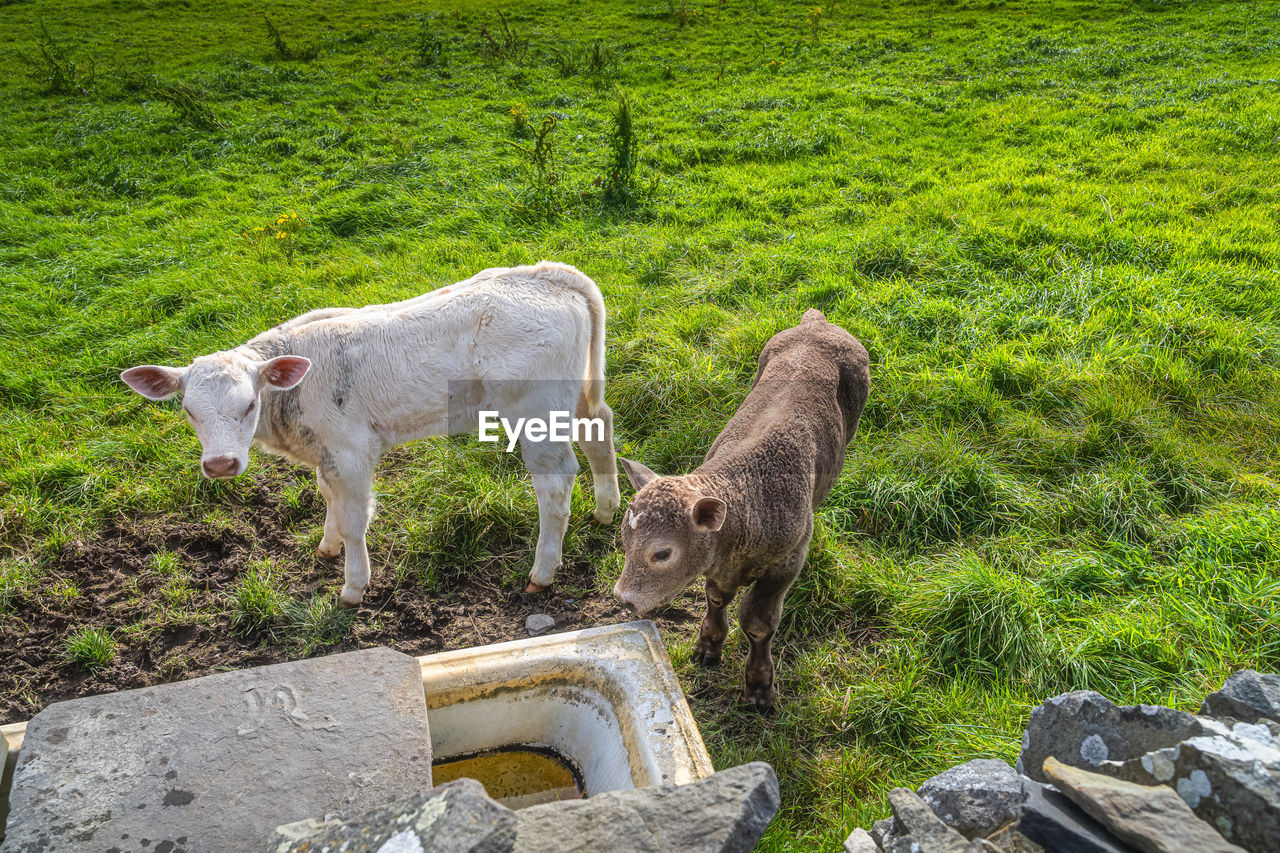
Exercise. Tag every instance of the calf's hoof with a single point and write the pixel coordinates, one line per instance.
(351, 597)
(706, 657)
(607, 502)
(761, 697)
(328, 553)
(537, 587)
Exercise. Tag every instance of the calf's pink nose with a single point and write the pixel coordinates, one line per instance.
(221, 466)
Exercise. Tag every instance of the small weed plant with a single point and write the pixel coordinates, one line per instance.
(597, 60)
(620, 174)
(681, 13)
(815, 21)
(543, 189)
(519, 120)
(283, 50)
(54, 67)
(506, 45)
(276, 238)
(189, 104)
(429, 49)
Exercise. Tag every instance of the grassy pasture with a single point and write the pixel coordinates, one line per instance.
(1053, 224)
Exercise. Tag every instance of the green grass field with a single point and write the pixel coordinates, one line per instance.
(1054, 225)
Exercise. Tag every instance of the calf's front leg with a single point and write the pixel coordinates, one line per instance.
(715, 626)
(351, 509)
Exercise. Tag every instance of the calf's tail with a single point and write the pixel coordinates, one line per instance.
(573, 279)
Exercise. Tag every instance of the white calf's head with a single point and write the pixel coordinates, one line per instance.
(220, 398)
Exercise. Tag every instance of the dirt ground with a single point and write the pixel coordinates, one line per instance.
(117, 587)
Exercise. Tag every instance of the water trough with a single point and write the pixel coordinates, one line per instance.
(605, 701)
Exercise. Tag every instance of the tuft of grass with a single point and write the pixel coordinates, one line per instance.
(258, 601)
(166, 563)
(91, 648)
(318, 623)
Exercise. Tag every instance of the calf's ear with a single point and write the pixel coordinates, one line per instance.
(152, 381)
(639, 475)
(284, 371)
(708, 514)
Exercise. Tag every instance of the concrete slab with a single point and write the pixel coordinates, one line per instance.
(217, 763)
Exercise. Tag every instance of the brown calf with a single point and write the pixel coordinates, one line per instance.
(745, 516)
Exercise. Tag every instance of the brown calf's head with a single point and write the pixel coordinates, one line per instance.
(220, 400)
(668, 535)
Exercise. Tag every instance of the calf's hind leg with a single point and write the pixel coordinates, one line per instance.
(758, 617)
(331, 542)
(604, 463)
(553, 466)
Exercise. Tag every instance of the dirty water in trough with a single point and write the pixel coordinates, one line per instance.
(117, 589)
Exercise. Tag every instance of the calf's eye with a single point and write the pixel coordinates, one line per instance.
(252, 406)
(661, 554)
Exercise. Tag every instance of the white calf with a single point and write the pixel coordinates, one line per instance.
(524, 341)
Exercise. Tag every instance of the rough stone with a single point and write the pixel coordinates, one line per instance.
(1051, 820)
(1247, 695)
(1010, 840)
(860, 841)
(1084, 728)
(975, 798)
(982, 845)
(1230, 781)
(925, 831)
(538, 623)
(724, 813)
(457, 817)
(883, 830)
(218, 762)
(1151, 818)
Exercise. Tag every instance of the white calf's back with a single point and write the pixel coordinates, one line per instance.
(389, 368)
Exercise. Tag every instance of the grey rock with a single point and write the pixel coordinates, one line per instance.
(925, 831)
(1084, 728)
(724, 813)
(1230, 781)
(1152, 819)
(860, 841)
(538, 623)
(457, 817)
(1247, 695)
(884, 830)
(1010, 840)
(217, 763)
(975, 798)
(982, 845)
(1051, 820)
